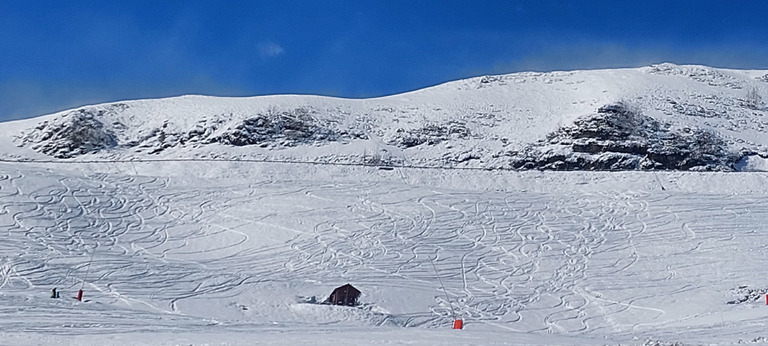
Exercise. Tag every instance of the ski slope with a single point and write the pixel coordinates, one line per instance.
(525, 257)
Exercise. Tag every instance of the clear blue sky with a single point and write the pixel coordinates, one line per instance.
(60, 54)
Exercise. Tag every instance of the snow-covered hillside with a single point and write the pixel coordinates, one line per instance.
(660, 117)
(201, 220)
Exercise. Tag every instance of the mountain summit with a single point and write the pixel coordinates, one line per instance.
(661, 117)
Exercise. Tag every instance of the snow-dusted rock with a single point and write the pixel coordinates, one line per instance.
(662, 117)
(617, 138)
(73, 133)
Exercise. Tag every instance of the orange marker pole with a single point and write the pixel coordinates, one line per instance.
(458, 324)
(80, 295)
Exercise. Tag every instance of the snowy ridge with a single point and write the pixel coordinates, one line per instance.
(491, 122)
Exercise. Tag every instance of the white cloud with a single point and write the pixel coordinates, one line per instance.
(270, 49)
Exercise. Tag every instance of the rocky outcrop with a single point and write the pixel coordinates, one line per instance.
(430, 134)
(619, 138)
(75, 133)
(288, 128)
(616, 137)
(82, 132)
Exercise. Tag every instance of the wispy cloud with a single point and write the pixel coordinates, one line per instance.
(270, 49)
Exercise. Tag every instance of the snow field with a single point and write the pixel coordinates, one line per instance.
(548, 256)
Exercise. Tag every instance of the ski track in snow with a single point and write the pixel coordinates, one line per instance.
(535, 262)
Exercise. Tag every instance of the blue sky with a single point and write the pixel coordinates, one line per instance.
(56, 55)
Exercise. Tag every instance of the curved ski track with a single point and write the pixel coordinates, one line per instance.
(553, 263)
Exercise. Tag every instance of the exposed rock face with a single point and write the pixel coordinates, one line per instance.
(82, 132)
(75, 133)
(281, 129)
(430, 134)
(615, 138)
(618, 138)
(288, 128)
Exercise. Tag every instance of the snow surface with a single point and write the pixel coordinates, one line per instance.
(232, 251)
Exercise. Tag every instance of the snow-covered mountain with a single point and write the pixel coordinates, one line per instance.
(201, 220)
(662, 117)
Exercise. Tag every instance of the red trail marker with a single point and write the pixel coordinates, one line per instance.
(458, 324)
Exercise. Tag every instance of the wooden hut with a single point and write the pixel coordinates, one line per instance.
(344, 295)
